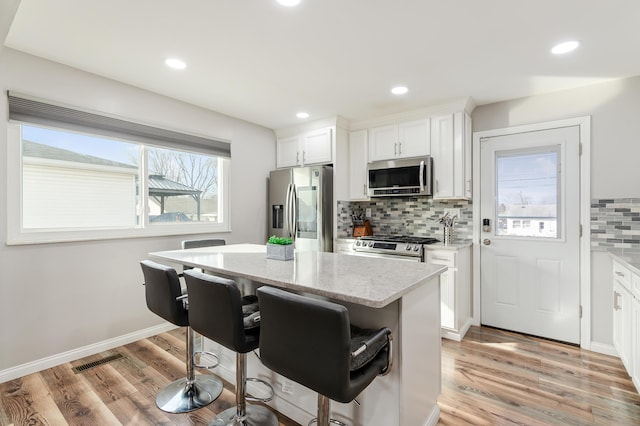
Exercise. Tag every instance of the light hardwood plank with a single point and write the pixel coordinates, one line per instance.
(492, 377)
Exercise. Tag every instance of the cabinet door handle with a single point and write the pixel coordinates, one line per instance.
(399, 148)
(620, 274)
(304, 156)
(616, 306)
(395, 149)
(297, 157)
(364, 189)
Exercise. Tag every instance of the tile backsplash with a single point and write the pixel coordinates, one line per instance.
(406, 216)
(615, 223)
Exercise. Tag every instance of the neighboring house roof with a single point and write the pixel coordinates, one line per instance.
(37, 150)
(529, 211)
(158, 184)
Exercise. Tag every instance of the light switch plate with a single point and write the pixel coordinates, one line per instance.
(367, 212)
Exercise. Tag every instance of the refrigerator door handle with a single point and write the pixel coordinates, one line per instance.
(293, 213)
(287, 212)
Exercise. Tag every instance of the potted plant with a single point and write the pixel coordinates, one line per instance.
(279, 248)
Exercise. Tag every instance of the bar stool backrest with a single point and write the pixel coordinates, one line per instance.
(211, 242)
(307, 340)
(162, 288)
(215, 311)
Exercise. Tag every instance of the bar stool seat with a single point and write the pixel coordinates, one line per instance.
(218, 311)
(311, 342)
(165, 298)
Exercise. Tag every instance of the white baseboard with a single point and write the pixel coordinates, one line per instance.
(456, 335)
(434, 417)
(603, 348)
(74, 354)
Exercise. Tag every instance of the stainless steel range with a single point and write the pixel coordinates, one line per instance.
(393, 246)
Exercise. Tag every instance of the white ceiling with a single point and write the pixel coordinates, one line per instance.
(262, 62)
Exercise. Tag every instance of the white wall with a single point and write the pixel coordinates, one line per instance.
(59, 297)
(614, 108)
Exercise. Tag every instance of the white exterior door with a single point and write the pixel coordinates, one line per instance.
(530, 241)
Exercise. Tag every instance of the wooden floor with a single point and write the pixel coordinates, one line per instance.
(495, 377)
(492, 377)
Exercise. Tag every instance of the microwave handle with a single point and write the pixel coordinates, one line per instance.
(422, 176)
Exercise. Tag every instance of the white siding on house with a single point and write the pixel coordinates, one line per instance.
(64, 197)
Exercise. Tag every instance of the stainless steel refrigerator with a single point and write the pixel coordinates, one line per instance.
(301, 206)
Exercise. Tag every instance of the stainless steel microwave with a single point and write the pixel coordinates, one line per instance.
(396, 178)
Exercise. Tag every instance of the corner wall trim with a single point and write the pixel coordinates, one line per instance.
(74, 354)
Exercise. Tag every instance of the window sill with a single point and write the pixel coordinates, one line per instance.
(167, 230)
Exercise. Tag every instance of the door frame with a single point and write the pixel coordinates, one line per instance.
(584, 124)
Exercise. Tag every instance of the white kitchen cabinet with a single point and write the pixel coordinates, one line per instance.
(635, 348)
(622, 316)
(287, 151)
(451, 152)
(402, 140)
(358, 166)
(309, 148)
(626, 319)
(455, 289)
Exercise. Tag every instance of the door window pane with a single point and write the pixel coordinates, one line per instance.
(527, 190)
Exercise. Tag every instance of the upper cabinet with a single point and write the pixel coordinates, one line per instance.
(451, 152)
(402, 140)
(358, 165)
(314, 147)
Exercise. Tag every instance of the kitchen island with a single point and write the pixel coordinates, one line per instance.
(377, 292)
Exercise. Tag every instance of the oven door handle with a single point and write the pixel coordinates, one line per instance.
(422, 176)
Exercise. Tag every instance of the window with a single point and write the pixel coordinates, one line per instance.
(528, 189)
(75, 185)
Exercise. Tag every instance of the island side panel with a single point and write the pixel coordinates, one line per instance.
(420, 361)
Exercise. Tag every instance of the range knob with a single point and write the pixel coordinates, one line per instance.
(407, 247)
(370, 243)
(357, 243)
(416, 248)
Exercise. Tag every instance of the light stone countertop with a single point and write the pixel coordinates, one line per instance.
(372, 282)
(630, 259)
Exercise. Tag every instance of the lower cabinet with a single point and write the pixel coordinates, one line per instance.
(455, 289)
(626, 319)
(635, 351)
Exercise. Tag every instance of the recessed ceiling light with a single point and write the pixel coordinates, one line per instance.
(289, 3)
(399, 90)
(175, 63)
(565, 47)
(302, 115)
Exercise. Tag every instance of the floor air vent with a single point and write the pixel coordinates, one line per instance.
(89, 365)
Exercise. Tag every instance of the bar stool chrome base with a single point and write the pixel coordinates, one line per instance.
(244, 414)
(182, 397)
(255, 415)
(323, 418)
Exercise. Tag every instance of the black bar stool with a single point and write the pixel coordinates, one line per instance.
(165, 299)
(218, 311)
(311, 342)
(201, 355)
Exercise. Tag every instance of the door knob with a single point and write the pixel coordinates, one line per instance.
(486, 242)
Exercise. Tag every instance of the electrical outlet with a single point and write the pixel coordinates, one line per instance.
(367, 212)
(287, 387)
